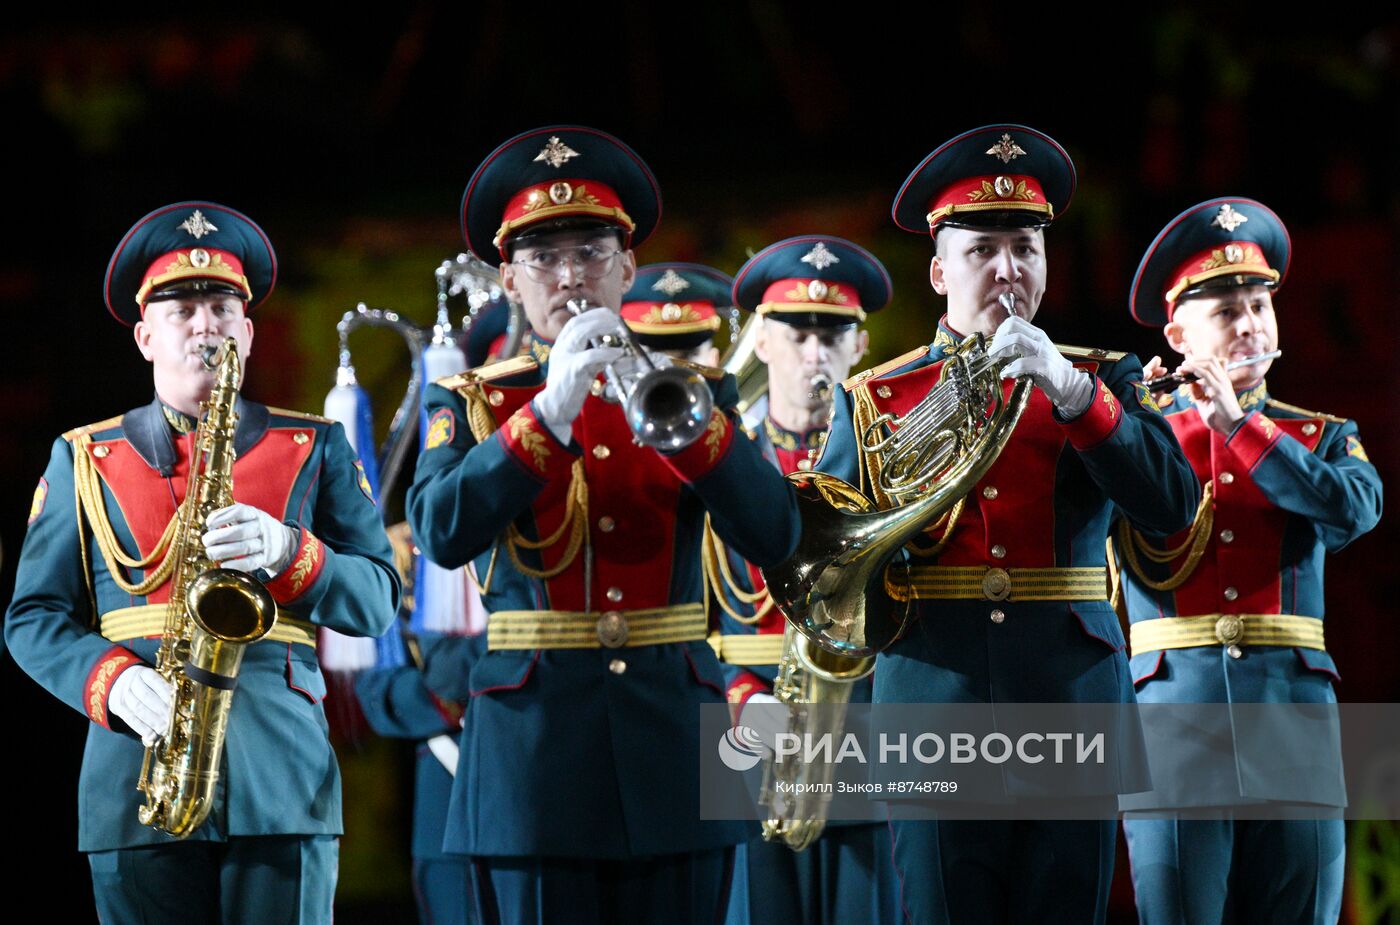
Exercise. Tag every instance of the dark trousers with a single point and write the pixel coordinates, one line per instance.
(267, 880)
(953, 871)
(1236, 870)
(442, 889)
(675, 889)
(845, 878)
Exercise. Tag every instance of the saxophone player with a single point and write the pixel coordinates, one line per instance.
(90, 593)
(811, 294)
(1090, 440)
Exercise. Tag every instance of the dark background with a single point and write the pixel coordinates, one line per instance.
(350, 139)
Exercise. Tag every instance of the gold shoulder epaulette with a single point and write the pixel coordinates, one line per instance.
(709, 372)
(77, 432)
(1274, 403)
(883, 368)
(301, 415)
(502, 370)
(1089, 353)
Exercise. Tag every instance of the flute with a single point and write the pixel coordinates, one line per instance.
(1163, 383)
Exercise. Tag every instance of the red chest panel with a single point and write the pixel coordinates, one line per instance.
(1012, 509)
(632, 502)
(262, 477)
(1242, 557)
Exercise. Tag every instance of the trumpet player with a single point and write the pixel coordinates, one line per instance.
(577, 792)
(811, 294)
(91, 590)
(1235, 614)
(1009, 590)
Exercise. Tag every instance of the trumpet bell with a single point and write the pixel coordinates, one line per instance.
(669, 408)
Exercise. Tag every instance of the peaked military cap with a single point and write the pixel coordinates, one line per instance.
(812, 281)
(676, 306)
(994, 176)
(557, 173)
(1220, 243)
(185, 248)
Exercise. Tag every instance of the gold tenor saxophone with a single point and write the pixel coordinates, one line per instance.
(213, 614)
(816, 686)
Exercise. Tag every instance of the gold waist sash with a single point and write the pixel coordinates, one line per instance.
(1234, 629)
(980, 583)
(748, 648)
(149, 620)
(612, 629)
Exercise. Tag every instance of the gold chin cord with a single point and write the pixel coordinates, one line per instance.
(919, 466)
(213, 615)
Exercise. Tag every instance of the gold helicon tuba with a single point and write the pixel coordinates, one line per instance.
(832, 588)
(212, 616)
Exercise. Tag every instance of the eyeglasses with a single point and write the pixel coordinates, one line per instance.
(591, 261)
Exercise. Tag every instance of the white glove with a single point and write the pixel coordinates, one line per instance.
(1070, 390)
(768, 716)
(141, 698)
(245, 538)
(573, 365)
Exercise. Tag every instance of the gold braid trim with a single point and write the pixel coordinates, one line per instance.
(483, 424)
(575, 521)
(88, 485)
(951, 519)
(714, 561)
(1131, 543)
(863, 414)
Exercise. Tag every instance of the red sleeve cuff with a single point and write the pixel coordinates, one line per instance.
(1097, 422)
(744, 686)
(306, 567)
(531, 444)
(450, 712)
(1254, 438)
(99, 681)
(701, 457)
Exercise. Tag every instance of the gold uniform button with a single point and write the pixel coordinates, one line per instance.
(601, 452)
(598, 387)
(617, 666)
(497, 398)
(883, 391)
(607, 524)
(804, 464)
(300, 438)
(1309, 429)
(1227, 478)
(614, 594)
(998, 616)
(990, 492)
(999, 551)
(100, 451)
(1231, 594)
(1227, 536)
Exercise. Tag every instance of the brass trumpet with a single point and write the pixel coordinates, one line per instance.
(667, 407)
